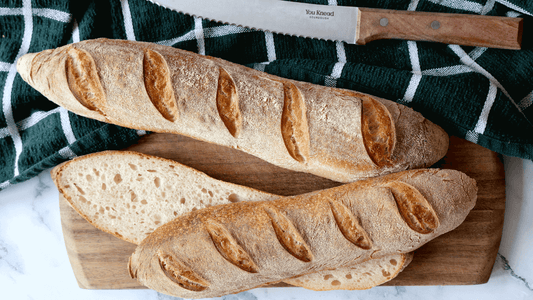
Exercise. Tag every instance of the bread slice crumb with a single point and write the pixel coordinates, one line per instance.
(362, 276)
(129, 194)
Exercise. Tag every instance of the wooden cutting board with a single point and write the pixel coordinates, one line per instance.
(463, 256)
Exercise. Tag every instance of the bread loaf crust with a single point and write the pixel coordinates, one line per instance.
(338, 134)
(311, 222)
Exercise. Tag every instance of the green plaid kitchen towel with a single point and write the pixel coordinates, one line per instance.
(482, 95)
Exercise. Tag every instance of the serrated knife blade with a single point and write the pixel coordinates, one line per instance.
(290, 18)
(355, 25)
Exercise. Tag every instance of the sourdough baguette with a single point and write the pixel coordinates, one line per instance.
(230, 248)
(334, 133)
(130, 194)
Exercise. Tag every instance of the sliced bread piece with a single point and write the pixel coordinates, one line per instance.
(362, 276)
(129, 194)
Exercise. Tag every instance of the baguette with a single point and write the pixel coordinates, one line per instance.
(333, 133)
(231, 248)
(130, 194)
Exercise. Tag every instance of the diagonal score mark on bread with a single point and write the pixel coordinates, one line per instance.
(379, 134)
(228, 103)
(83, 79)
(414, 207)
(288, 235)
(159, 85)
(294, 128)
(349, 225)
(181, 274)
(228, 247)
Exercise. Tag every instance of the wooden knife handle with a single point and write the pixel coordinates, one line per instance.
(461, 29)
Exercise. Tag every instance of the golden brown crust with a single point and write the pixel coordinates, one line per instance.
(158, 84)
(181, 274)
(414, 208)
(228, 103)
(333, 133)
(294, 128)
(229, 248)
(379, 134)
(84, 81)
(288, 236)
(349, 226)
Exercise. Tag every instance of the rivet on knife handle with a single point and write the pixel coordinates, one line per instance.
(467, 30)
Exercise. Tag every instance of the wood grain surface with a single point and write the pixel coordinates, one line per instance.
(460, 29)
(461, 257)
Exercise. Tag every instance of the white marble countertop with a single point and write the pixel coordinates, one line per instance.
(34, 262)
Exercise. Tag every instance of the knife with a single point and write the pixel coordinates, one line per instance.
(356, 25)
